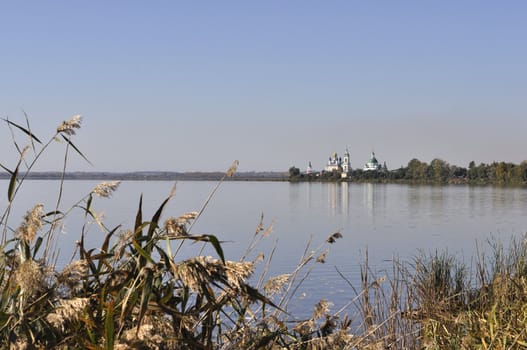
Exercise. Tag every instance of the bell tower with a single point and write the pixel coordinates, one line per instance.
(346, 164)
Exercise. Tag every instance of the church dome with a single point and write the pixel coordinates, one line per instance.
(373, 164)
(373, 159)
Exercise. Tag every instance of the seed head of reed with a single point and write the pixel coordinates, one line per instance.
(259, 258)
(67, 310)
(31, 224)
(268, 230)
(198, 272)
(338, 340)
(377, 283)
(232, 169)
(124, 238)
(322, 257)
(74, 274)
(238, 272)
(105, 189)
(333, 237)
(321, 309)
(275, 284)
(305, 327)
(177, 226)
(29, 277)
(154, 332)
(68, 126)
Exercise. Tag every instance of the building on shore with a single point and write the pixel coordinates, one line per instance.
(333, 163)
(339, 164)
(342, 165)
(373, 164)
(309, 169)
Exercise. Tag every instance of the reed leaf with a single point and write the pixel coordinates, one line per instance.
(12, 184)
(94, 217)
(26, 131)
(167, 261)
(109, 327)
(139, 218)
(29, 129)
(128, 301)
(106, 242)
(6, 169)
(76, 149)
(52, 213)
(142, 252)
(205, 238)
(145, 295)
(104, 248)
(86, 255)
(217, 246)
(155, 219)
(82, 250)
(255, 295)
(37, 245)
(88, 204)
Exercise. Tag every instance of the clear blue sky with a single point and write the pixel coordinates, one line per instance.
(177, 86)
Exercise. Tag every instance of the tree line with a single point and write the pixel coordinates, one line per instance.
(437, 171)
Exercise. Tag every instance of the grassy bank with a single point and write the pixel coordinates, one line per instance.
(134, 291)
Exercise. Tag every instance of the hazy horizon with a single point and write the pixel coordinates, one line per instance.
(176, 86)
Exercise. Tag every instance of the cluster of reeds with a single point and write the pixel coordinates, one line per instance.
(481, 309)
(134, 291)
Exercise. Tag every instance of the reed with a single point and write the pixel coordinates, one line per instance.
(135, 291)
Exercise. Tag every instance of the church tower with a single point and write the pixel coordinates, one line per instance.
(309, 169)
(346, 164)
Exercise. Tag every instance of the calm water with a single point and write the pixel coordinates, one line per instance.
(386, 220)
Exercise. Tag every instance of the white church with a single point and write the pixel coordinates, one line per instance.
(343, 164)
(373, 164)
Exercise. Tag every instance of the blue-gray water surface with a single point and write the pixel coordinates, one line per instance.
(386, 220)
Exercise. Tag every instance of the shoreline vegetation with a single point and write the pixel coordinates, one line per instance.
(136, 292)
(438, 172)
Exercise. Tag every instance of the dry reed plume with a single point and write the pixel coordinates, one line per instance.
(68, 126)
(105, 189)
(32, 224)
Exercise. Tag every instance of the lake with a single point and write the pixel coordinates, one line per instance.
(387, 220)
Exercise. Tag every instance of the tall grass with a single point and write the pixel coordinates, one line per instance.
(135, 291)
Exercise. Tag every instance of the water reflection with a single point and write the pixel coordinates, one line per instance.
(294, 195)
(427, 202)
(374, 199)
(369, 198)
(437, 208)
(338, 198)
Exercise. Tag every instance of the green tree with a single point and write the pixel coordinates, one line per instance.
(294, 174)
(439, 170)
(417, 170)
(499, 172)
(523, 172)
(472, 173)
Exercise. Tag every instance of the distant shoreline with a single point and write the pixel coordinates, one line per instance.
(152, 176)
(270, 176)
